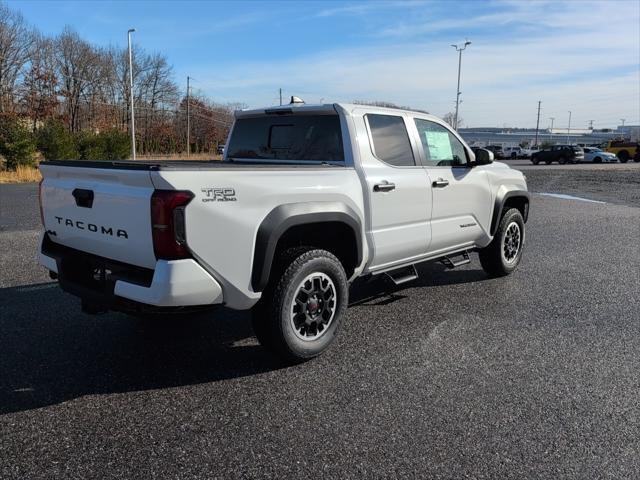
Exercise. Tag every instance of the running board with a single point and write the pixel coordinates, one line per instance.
(403, 275)
(449, 262)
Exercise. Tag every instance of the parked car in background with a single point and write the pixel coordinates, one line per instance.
(528, 151)
(596, 155)
(512, 152)
(558, 153)
(498, 153)
(625, 151)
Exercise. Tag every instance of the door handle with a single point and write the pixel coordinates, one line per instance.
(384, 187)
(439, 183)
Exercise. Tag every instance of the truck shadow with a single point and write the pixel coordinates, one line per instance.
(50, 352)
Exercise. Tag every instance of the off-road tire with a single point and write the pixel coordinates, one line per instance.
(272, 316)
(492, 258)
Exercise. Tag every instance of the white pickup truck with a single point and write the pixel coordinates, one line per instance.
(306, 199)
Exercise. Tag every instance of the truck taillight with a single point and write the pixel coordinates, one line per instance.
(40, 201)
(167, 223)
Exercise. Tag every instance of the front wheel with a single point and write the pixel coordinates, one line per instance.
(300, 312)
(503, 254)
(562, 160)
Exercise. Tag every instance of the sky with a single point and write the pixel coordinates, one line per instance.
(578, 56)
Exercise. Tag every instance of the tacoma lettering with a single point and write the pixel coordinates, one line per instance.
(92, 227)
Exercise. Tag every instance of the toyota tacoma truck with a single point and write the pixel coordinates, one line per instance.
(306, 199)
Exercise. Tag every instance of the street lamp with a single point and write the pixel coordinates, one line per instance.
(133, 122)
(569, 127)
(458, 92)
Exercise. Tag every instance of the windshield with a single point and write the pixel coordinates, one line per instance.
(287, 137)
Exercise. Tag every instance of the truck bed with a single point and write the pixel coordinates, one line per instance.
(158, 165)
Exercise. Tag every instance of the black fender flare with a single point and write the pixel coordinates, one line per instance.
(501, 199)
(283, 217)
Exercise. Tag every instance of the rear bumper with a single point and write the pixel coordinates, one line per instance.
(173, 283)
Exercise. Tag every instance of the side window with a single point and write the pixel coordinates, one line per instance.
(441, 147)
(391, 140)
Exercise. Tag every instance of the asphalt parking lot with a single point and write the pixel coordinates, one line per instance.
(536, 375)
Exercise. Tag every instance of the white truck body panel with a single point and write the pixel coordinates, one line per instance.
(222, 235)
(121, 203)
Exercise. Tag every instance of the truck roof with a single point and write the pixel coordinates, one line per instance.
(327, 108)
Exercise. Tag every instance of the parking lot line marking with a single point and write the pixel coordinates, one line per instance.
(570, 197)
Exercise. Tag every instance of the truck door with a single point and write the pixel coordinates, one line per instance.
(461, 194)
(399, 201)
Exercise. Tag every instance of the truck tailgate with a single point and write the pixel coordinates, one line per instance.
(105, 212)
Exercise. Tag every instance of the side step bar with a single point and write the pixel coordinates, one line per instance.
(451, 262)
(403, 275)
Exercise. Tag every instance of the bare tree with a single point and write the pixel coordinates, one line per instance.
(39, 87)
(450, 119)
(15, 45)
(78, 66)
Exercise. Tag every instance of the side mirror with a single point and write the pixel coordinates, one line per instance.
(483, 156)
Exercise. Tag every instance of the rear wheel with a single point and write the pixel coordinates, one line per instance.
(503, 254)
(301, 310)
(623, 155)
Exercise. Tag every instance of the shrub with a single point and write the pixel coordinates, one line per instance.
(55, 142)
(115, 144)
(106, 145)
(88, 145)
(17, 144)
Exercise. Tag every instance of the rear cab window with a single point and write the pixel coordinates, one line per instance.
(390, 139)
(291, 138)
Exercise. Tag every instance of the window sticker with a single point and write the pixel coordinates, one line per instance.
(439, 145)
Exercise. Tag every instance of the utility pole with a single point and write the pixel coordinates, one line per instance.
(458, 92)
(569, 127)
(590, 124)
(133, 122)
(538, 122)
(188, 119)
(551, 129)
(280, 97)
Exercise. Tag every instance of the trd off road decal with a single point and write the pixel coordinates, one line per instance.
(219, 194)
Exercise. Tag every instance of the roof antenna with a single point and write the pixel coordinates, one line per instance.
(296, 100)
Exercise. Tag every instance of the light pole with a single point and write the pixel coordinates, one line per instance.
(569, 127)
(133, 121)
(551, 129)
(458, 92)
(188, 119)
